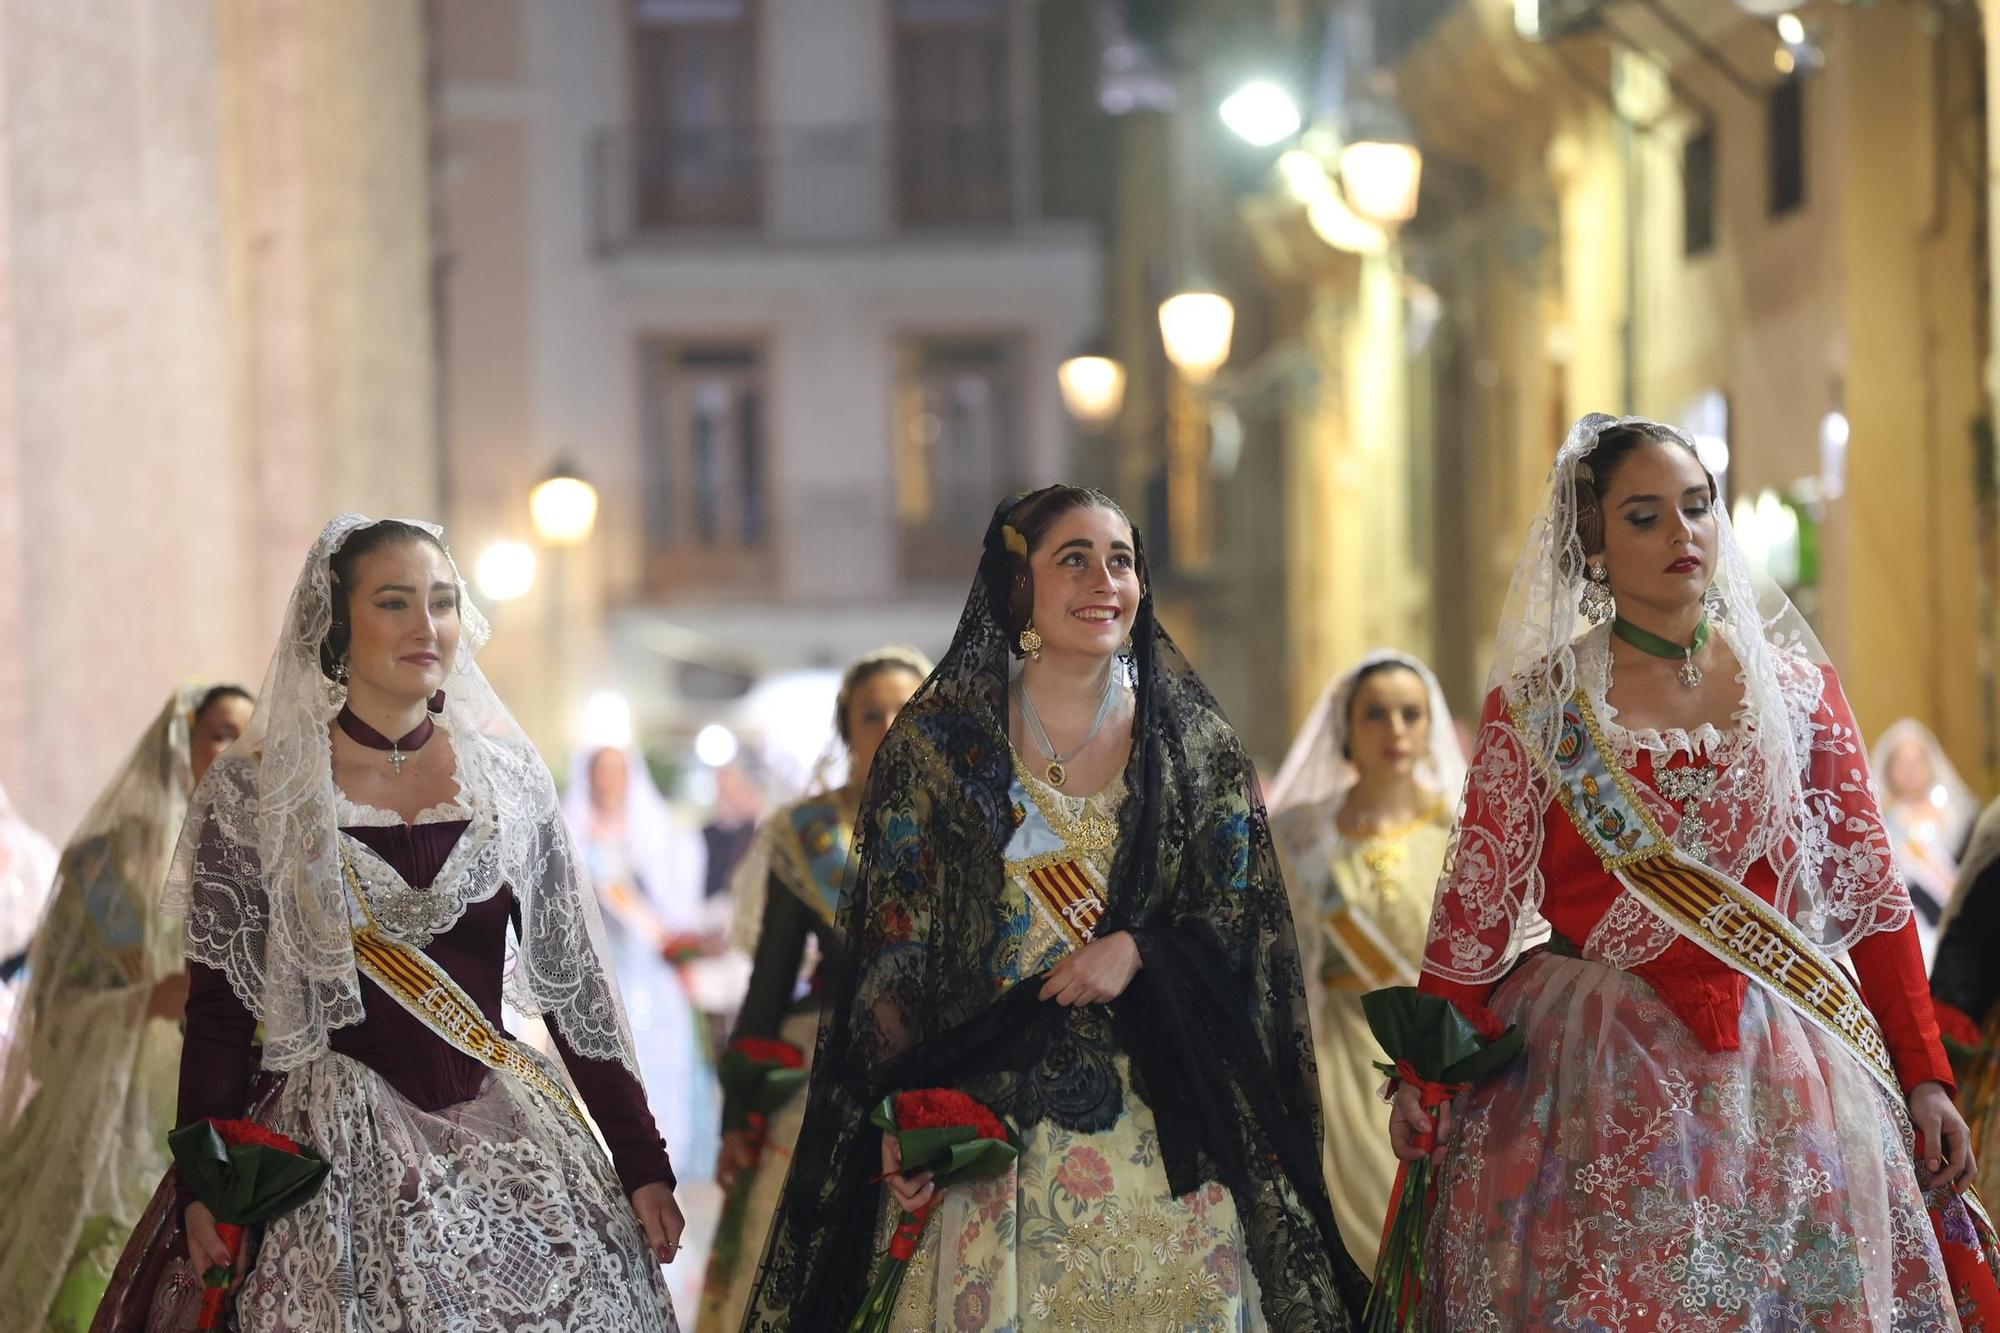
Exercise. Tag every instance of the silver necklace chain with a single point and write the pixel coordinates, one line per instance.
(1042, 737)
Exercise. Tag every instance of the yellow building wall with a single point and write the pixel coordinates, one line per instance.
(1902, 610)
(1870, 297)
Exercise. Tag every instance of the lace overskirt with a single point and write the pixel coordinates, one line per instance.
(1621, 1176)
(500, 1213)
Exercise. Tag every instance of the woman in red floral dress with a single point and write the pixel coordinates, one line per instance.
(1712, 1126)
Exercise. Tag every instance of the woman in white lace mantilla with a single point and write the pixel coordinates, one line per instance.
(1361, 812)
(349, 872)
(1929, 812)
(1711, 1125)
(86, 1096)
(625, 830)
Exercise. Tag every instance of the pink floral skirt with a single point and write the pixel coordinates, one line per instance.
(1621, 1177)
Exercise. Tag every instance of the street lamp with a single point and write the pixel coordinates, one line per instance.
(506, 571)
(1196, 327)
(1342, 228)
(1093, 389)
(1305, 175)
(1381, 177)
(564, 507)
(1261, 113)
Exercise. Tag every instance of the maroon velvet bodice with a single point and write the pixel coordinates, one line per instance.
(421, 1066)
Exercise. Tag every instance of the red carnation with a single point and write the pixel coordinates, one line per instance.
(1484, 1021)
(240, 1132)
(245, 1174)
(955, 1138)
(1439, 1048)
(1956, 1024)
(944, 1108)
(763, 1051)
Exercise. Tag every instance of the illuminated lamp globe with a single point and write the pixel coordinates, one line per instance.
(1093, 388)
(1196, 328)
(1382, 178)
(564, 508)
(506, 571)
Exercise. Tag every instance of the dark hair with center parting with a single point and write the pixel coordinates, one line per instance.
(1614, 446)
(362, 541)
(217, 694)
(1033, 518)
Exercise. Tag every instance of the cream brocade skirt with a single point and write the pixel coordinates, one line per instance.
(1080, 1234)
(723, 1308)
(1360, 1169)
(1390, 879)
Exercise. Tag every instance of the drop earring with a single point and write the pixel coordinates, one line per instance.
(336, 688)
(1596, 603)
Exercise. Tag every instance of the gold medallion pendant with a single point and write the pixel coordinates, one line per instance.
(1055, 770)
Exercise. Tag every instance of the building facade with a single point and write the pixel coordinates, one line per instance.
(1779, 241)
(788, 281)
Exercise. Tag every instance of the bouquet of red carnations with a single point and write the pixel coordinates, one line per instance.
(955, 1138)
(246, 1175)
(1440, 1051)
(758, 1076)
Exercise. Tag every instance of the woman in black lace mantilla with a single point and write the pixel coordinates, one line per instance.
(1067, 905)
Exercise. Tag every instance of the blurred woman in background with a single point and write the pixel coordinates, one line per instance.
(624, 829)
(1929, 811)
(788, 894)
(1361, 813)
(87, 1094)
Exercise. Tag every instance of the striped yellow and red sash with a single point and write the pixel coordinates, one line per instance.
(1369, 955)
(427, 991)
(1702, 904)
(1725, 919)
(1733, 924)
(1065, 888)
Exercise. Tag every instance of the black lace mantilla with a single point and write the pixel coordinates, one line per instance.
(1214, 1024)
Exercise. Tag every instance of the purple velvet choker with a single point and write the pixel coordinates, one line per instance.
(402, 747)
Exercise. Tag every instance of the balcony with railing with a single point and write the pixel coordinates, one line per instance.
(816, 185)
(823, 545)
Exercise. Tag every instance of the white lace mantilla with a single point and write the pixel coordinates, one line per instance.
(259, 874)
(1791, 786)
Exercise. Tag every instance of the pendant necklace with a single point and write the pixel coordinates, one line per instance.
(1056, 771)
(1648, 642)
(399, 749)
